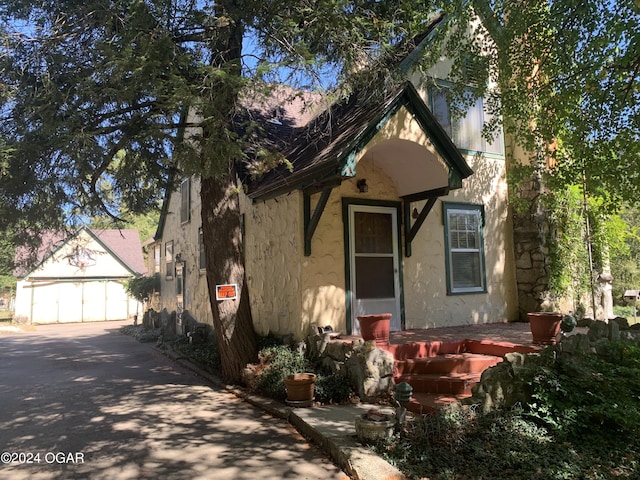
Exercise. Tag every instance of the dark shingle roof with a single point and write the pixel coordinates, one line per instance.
(318, 151)
(125, 244)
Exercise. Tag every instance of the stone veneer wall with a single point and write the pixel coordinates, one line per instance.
(530, 236)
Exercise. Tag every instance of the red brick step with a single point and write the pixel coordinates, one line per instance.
(448, 363)
(453, 383)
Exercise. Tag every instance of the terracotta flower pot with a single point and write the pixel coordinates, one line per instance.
(300, 387)
(545, 327)
(376, 327)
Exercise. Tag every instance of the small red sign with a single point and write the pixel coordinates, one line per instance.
(226, 292)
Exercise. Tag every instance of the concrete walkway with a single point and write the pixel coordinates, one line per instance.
(331, 427)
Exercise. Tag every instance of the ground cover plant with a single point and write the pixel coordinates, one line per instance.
(583, 422)
(205, 355)
(141, 333)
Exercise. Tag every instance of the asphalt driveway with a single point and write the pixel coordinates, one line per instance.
(84, 401)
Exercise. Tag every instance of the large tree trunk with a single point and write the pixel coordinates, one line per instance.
(222, 231)
(221, 221)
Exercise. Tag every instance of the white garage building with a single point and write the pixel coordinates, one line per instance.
(81, 278)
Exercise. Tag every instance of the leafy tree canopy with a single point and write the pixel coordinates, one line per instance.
(92, 91)
(569, 77)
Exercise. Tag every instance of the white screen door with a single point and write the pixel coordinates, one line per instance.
(373, 247)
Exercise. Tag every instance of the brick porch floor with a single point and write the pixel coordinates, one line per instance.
(515, 332)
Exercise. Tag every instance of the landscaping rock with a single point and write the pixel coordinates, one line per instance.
(598, 330)
(585, 322)
(497, 387)
(500, 386)
(577, 344)
(631, 336)
(371, 371)
(614, 331)
(168, 324)
(622, 322)
(368, 368)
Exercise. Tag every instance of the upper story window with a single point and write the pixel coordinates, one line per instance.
(464, 246)
(465, 131)
(168, 259)
(185, 200)
(156, 258)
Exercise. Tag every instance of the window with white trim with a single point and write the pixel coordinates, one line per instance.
(156, 257)
(168, 260)
(464, 246)
(466, 131)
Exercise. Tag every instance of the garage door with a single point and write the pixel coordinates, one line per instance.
(89, 301)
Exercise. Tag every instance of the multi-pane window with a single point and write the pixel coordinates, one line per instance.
(464, 248)
(168, 259)
(156, 258)
(185, 200)
(466, 131)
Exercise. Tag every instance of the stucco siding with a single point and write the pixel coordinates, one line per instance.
(185, 238)
(273, 251)
(323, 280)
(426, 301)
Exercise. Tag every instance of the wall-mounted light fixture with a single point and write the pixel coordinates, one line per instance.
(362, 185)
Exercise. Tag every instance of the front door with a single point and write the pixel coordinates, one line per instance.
(374, 263)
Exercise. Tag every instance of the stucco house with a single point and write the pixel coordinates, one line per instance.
(80, 278)
(391, 205)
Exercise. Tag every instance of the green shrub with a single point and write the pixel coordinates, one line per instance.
(583, 422)
(332, 389)
(141, 288)
(625, 311)
(580, 395)
(278, 361)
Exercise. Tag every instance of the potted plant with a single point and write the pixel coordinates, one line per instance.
(545, 324)
(545, 327)
(376, 327)
(281, 374)
(300, 388)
